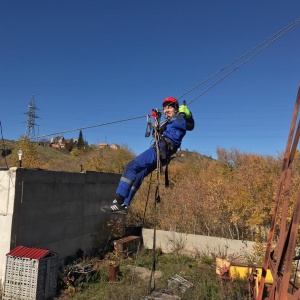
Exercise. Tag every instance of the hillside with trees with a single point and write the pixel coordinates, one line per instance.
(231, 196)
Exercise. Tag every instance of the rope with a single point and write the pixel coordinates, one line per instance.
(143, 222)
(156, 200)
(147, 200)
(152, 283)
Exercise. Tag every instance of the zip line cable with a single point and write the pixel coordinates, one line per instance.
(244, 62)
(271, 40)
(92, 126)
(285, 29)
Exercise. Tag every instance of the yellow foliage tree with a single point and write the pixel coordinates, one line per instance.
(230, 197)
(30, 156)
(108, 160)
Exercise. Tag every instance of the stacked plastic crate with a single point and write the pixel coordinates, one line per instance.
(31, 273)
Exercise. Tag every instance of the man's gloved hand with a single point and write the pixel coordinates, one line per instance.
(184, 110)
(156, 114)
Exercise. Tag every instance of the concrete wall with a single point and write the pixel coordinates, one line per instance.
(169, 241)
(59, 211)
(7, 194)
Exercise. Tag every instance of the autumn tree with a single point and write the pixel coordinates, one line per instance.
(30, 156)
(252, 181)
(108, 159)
(230, 197)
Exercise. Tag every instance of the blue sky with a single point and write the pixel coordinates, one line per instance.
(93, 62)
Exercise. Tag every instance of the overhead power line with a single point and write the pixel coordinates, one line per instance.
(266, 43)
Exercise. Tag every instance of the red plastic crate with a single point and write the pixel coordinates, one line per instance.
(31, 274)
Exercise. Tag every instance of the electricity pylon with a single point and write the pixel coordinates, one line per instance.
(30, 131)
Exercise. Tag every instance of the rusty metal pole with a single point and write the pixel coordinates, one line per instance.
(284, 180)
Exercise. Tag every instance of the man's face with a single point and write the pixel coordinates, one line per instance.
(169, 111)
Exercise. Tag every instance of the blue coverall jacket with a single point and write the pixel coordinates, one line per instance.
(173, 130)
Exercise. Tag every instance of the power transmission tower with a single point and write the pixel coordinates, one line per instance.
(30, 132)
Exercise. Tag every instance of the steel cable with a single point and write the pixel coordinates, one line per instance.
(244, 62)
(271, 40)
(285, 29)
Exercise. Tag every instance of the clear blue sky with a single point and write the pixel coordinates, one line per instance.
(93, 62)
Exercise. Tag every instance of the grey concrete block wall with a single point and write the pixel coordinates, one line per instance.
(60, 211)
(170, 241)
(56, 210)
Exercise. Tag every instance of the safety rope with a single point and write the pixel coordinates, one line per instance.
(157, 137)
(147, 200)
(152, 284)
(142, 225)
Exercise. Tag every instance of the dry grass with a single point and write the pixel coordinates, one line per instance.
(134, 282)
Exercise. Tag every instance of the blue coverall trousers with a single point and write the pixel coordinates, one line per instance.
(135, 172)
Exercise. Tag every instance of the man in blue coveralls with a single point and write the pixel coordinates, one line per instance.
(178, 120)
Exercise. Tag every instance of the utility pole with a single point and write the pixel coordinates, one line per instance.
(30, 132)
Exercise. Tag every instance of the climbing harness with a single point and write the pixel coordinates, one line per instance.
(165, 151)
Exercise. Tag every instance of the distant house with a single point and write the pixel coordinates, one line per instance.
(102, 145)
(59, 142)
(114, 146)
(105, 145)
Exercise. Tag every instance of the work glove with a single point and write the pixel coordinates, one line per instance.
(184, 110)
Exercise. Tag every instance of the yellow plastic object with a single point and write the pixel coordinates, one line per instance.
(244, 271)
(225, 267)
